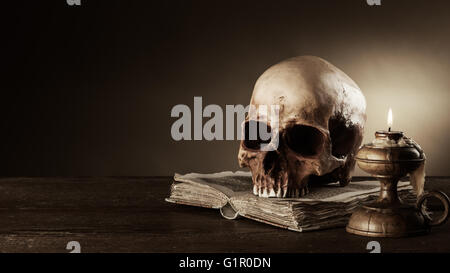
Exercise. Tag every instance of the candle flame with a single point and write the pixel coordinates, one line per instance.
(390, 118)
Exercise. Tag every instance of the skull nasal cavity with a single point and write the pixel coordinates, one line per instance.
(343, 137)
(270, 162)
(305, 140)
(256, 134)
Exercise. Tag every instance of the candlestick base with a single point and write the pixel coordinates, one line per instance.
(376, 221)
(388, 216)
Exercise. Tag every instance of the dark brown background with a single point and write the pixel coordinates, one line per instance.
(88, 90)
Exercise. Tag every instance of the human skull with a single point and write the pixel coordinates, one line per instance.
(320, 127)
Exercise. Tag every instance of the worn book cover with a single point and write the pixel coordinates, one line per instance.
(323, 207)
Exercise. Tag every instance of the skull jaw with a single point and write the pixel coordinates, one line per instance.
(265, 186)
(291, 176)
(290, 193)
(278, 188)
(278, 182)
(294, 184)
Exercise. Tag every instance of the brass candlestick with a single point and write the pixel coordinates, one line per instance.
(388, 216)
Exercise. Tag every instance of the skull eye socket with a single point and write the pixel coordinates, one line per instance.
(304, 140)
(256, 133)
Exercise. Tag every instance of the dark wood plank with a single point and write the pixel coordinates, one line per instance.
(129, 214)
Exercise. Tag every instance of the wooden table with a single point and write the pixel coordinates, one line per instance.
(129, 214)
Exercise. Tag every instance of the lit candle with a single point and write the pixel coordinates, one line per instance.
(388, 138)
(390, 119)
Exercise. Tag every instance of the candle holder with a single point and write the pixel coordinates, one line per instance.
(388, 216)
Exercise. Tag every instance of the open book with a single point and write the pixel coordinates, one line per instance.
(323, 207)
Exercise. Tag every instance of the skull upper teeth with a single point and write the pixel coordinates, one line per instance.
(279, 192)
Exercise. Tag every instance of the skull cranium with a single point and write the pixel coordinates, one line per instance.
(320, 127)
